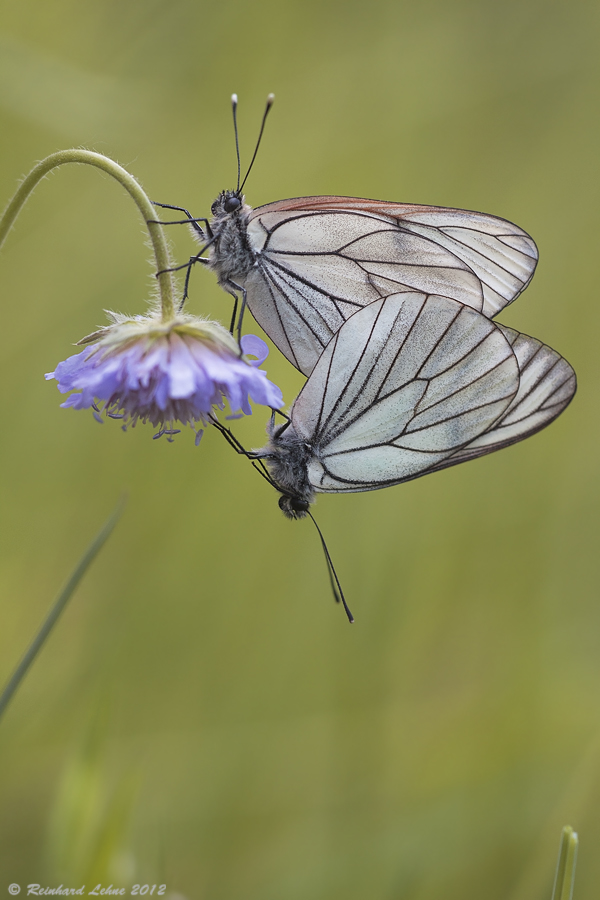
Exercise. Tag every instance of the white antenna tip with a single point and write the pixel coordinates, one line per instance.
(270, 99)
(234, 99)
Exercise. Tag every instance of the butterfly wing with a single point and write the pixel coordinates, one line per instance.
(408, 381)
(547, 384)
(322, 258)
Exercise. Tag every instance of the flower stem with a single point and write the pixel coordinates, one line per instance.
(59, 604)
(157, 237)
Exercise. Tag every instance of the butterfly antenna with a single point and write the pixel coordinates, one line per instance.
(270, 101)
(234, 103)
(337, 591)
(258, 464)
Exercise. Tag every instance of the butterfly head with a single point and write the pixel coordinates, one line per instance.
(227, 202)
(293, 507)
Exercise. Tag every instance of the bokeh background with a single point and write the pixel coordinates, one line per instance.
(203, 716)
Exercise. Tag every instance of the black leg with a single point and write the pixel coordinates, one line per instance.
(235, 306)
(186, 283)
(231, 439)
(282, 428)
(192, 220)
(198, 258)
(242, 291)
(192, 261)
(257, 461)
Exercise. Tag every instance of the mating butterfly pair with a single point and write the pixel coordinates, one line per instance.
(387, 308)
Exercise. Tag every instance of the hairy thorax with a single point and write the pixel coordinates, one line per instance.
(231, 256)
(287, 458)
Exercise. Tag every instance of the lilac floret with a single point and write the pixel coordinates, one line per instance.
(175, 377)
(254, 346)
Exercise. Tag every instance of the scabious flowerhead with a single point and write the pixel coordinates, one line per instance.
(142, 368)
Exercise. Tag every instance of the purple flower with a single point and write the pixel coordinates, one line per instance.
(165, 372)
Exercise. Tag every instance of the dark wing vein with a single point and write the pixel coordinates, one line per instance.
(353, 373)
(311, 284)
(326, 381)
(267, 281)
(308, 301)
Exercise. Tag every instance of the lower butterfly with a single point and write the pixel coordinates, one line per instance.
(410, 384)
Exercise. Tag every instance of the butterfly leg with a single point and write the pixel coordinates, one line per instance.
(257, 461)
(198, 258)
(192, 261)
(235, 306)
(191, 220)
(230, 438)
(242, 291)
(277, 434)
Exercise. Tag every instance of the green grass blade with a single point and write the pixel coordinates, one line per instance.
(59, 604)
(565, 867)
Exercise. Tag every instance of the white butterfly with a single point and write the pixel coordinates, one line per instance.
(305, 265)
(410, 384)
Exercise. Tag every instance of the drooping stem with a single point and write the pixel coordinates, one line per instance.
(134, 189)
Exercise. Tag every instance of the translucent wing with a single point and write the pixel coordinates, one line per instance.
(407, 382)
(547, 384)
(322, 258)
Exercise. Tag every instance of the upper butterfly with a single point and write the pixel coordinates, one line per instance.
(305, 265)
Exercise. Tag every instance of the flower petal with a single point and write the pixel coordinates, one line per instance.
(145, 370)
(254, 346)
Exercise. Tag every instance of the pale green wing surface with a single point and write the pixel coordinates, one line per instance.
(547, 384)
(323, 258)
(408, 381)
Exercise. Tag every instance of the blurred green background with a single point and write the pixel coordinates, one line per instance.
(203, 716)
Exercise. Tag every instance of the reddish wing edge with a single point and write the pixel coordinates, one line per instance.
(377, 207)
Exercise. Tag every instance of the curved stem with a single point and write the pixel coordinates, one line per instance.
(134, 189)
